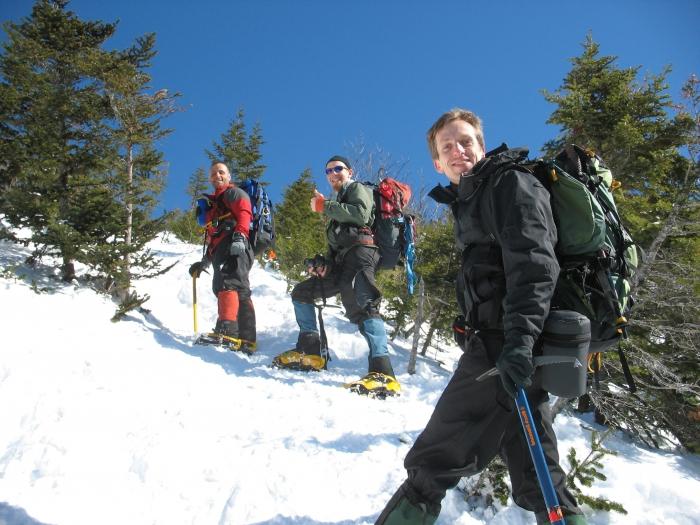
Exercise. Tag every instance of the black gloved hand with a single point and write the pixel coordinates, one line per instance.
(197, 268)
(318, 265)
(239, 244)
(515, 367)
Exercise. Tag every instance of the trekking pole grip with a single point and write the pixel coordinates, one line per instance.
(554, 513)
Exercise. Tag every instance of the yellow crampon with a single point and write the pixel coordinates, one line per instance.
(294, 360)
(375, 384)
(233, 343)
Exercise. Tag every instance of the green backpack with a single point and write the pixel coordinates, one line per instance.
(596, 253)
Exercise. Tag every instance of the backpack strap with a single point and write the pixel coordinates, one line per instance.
(604, 280)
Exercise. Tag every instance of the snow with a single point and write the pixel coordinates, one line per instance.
(129, 423)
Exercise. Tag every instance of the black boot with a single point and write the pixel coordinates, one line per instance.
(382, 365)
(309, 343)
(404, 508)
(227, 328)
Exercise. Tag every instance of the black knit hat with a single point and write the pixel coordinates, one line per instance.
(339, 158)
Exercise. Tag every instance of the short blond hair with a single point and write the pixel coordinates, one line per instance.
(446, 118)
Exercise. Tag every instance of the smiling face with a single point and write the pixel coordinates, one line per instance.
(337, 176)
(458, 149)
(219, 175)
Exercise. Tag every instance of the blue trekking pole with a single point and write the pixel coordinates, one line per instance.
(533, 440)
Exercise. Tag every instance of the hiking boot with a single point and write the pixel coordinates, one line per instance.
(227, 328)
(382, 365)
(295, 360)
(375, 384)
(404, 508)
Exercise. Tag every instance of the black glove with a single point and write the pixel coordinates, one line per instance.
(239, 244)
(197, 268)
(318, 265)
(515, 367)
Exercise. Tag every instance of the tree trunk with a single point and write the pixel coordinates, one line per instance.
(122, 291)
(68, 267)
(129, 200)
(431, 330)
(416, 328)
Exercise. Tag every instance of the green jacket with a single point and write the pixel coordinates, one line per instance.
(351, 214)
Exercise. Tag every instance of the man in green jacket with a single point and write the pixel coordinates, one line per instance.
(348, 269)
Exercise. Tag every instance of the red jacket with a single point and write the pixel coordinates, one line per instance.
(230, 212)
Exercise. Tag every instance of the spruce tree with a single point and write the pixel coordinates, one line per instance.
(240, 150)
(300, 231)
(184, 223)
(54, 111)
(630, 125)
(636, 128)
(438, 265)
(138, 176)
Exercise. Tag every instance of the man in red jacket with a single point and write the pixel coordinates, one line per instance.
(227, 248)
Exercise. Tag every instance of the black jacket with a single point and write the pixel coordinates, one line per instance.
(506, 233)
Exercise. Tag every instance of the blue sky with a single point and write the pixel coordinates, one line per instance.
(322, 75)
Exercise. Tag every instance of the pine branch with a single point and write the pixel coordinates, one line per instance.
(132, 301)
(588, 470)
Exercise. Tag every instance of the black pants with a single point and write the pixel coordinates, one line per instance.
(231, 274)
(353, 279)
(472, 422)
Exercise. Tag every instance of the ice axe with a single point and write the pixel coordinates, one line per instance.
(554, 514)
(551, 501)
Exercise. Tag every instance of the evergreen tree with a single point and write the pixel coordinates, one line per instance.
(300, 231)
(184, 223)
(54, 111)
(240, 150)
(438, 265)
(139, 176)
(585, 472)
(399, 307)
(197, 185)
(627, 123)
(637, 130)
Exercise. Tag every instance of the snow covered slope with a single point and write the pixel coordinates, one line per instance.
(129, 423)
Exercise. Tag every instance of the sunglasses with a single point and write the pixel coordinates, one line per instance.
(334, 169)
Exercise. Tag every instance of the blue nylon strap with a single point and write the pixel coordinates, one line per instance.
(410, 256)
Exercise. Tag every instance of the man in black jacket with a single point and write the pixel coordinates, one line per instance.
(505, 231)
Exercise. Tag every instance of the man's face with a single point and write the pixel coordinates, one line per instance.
(337, 174)
(219, 176)
(458, 149)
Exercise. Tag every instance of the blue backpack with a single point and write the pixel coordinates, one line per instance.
(262, 227)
